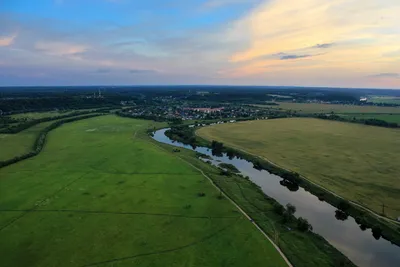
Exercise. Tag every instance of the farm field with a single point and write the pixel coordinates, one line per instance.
(17, 144)
(330, 153)
(40, 115)
(13, 145)
(385, 99)
(336, 108)
(102, 194)
(385, 117)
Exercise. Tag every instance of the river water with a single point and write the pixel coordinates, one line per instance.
(358, 245)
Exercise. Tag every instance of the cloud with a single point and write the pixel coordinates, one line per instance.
(7, 40)
(319, 42)
(141, 71)
(286, 57)
(386, 75)
(60, 48)
(102, 71)
(127, 43)
(326, 45)
(220, 3)
(361, 32)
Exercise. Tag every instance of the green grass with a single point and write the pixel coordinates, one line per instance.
(310, 108)
(102, 192)
(302, 249)
(40, 115)
(385, 99)
(13, 145)
(385, 117)
(357, 162)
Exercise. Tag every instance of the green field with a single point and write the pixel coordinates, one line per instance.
(384, 99)
(358, 162)
(102, 193)
(13, 145)
(310, 108)
(385, 117)
(17, 144)
(40, 115)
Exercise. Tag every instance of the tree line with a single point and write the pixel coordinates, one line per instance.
(27, 124)
(41, 138)
(373, 122)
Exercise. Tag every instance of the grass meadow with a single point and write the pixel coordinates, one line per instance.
(101, 193)
(385, 99)
(311, 108)
(358, 162)
(390, 117)
(17, 144)
(40, 115)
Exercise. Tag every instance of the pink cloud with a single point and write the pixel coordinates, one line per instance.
(7, 40)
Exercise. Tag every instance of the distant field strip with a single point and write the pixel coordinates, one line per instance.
(336, 108)
(357, 162)
(100, 198)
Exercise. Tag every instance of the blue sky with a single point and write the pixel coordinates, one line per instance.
(352, 43)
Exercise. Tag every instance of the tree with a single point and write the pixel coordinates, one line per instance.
(341, 215)
(303, 225)
(279, 209)
(343, 205)
(376, 232)
(291, 209)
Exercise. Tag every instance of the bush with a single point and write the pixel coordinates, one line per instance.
(376, 232)
(341, 215)
(303, 225)
(201, 194)
(279, 209)
(344, 205)
(291, 209)
(40, 140)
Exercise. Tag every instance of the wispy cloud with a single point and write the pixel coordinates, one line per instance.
(326, 45)
(141, 71)
(286, 57)
(314, 42)
(221, 3)
(103, 71)
(353, 36)
(59, 48)
(7, 40)
(386, 75)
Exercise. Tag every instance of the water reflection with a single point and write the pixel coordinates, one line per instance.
(358, 243)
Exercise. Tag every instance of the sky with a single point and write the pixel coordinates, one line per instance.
(333, 43)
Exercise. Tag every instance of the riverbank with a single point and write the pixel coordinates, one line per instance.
(381, 226)
(302, 248)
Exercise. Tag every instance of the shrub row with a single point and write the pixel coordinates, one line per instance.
(40, 140)
(25, 125)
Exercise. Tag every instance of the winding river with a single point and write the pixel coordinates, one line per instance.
(358, 245)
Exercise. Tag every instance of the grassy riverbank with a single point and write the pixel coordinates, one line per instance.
(102, 193)
(345, 158)
(354, 161)
(301, 248)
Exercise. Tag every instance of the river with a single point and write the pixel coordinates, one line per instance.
(358, 245)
